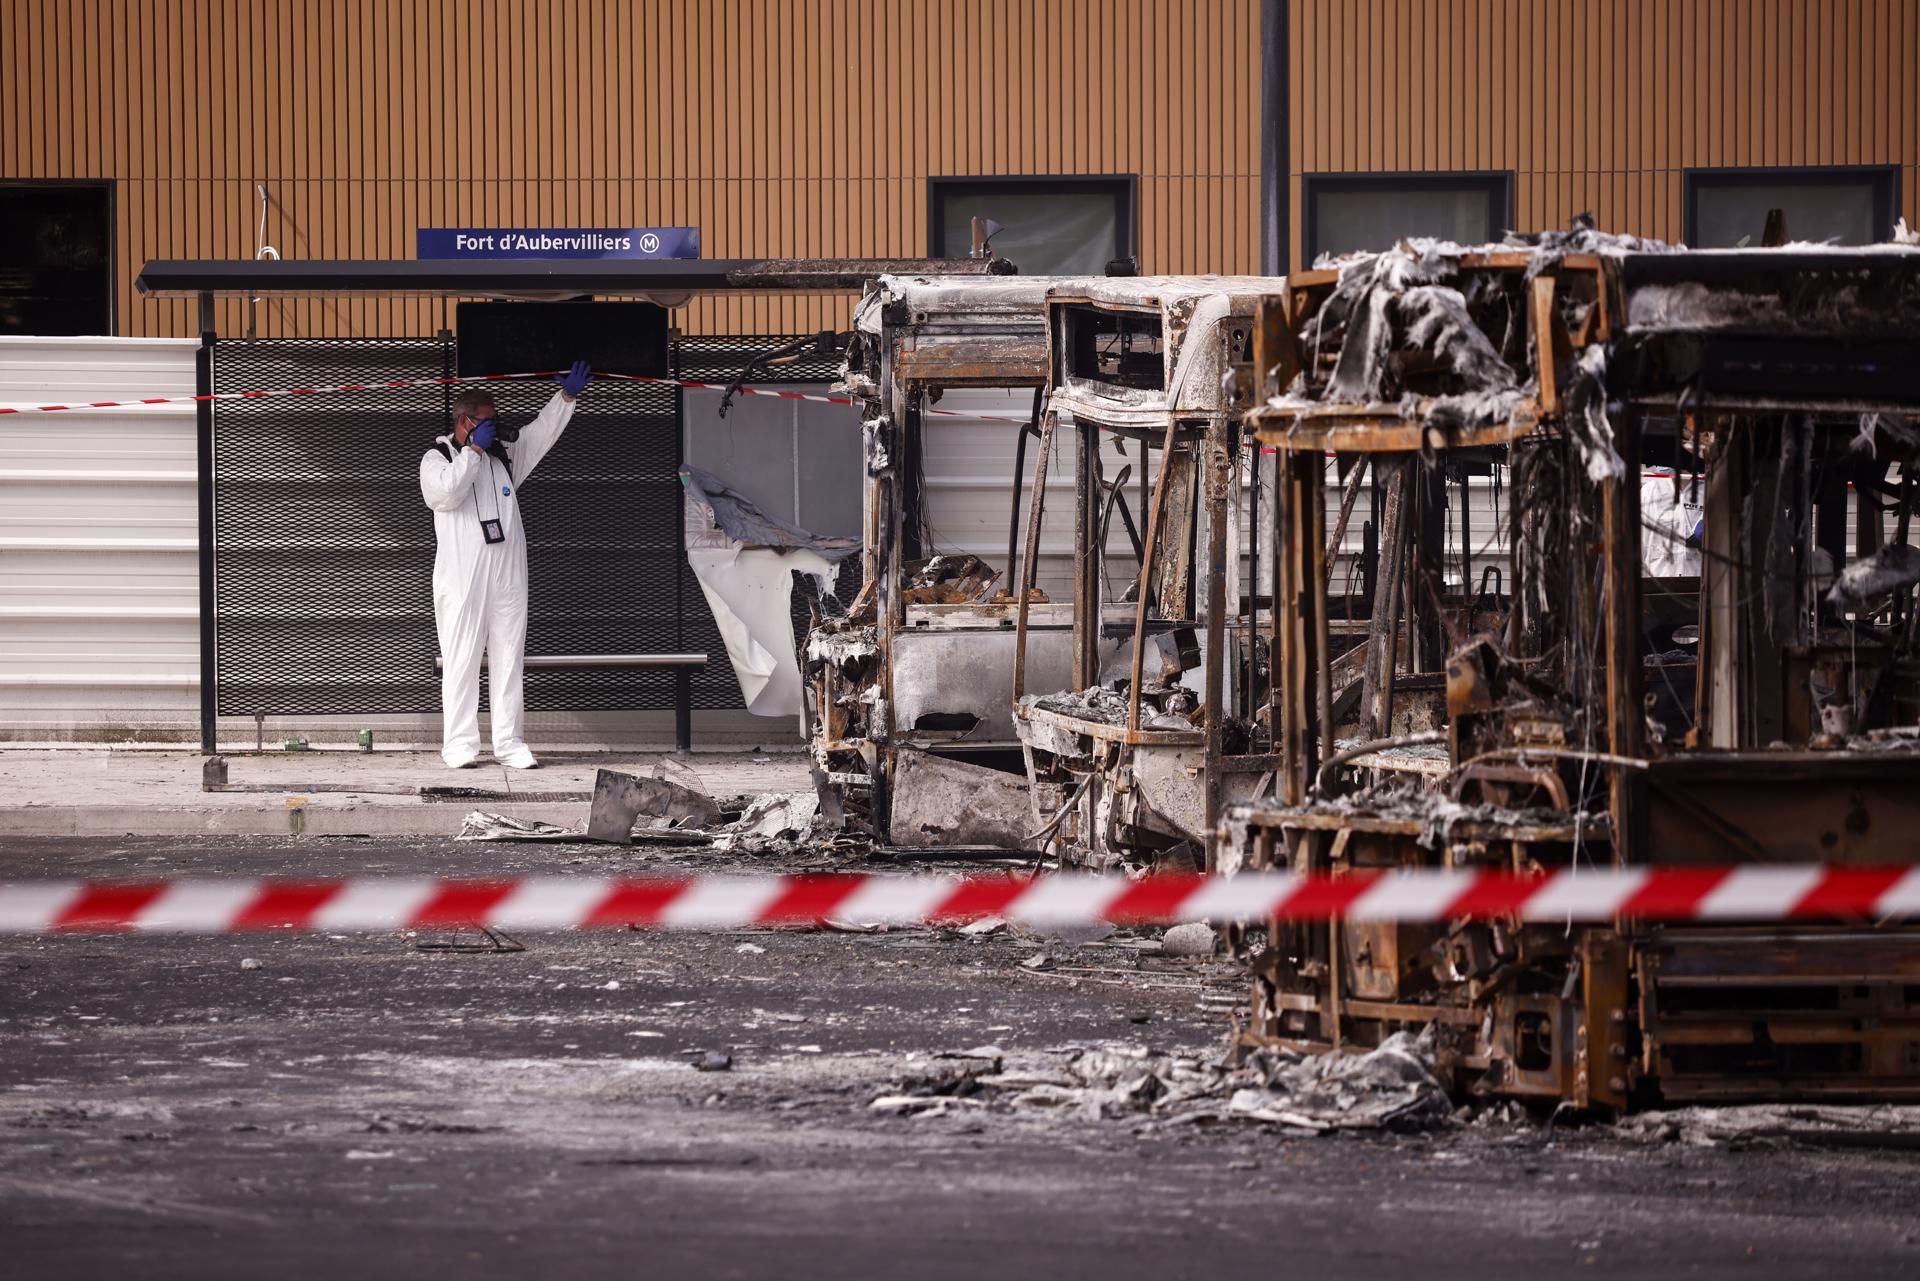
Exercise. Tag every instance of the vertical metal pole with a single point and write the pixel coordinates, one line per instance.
(1428, 636)
(1019, 483)
(1087, 554)
(203, 432)
(1030, 562)
(1249, 688)
(1276, 186)
(1218, 491)
(1626, 716)
(683, 679)
(683, 709)
(908, 475)
(1313, 602)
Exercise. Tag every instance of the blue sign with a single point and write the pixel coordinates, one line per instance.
(557, 242)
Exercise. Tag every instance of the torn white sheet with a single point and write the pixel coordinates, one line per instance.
(1670, 516)
(750, 590)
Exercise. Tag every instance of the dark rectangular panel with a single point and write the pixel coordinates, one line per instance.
(527, 337)
(56, 257)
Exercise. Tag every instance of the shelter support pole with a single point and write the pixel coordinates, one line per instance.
(203, 435)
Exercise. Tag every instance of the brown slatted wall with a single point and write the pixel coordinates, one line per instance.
(1600, 105)
(808, 127)
(779, 127)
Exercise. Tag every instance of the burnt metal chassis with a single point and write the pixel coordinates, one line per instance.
(1114, 750)
(1110, 770)
(1592, 1016)
(921, 351)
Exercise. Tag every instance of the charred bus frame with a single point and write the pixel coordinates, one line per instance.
(912, 693)
(1772, 380)
(1163, 363)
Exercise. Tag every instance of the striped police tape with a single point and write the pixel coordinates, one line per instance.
(212, 906)
(404, 383)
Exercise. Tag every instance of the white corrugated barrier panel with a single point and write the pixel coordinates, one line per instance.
(99, 568)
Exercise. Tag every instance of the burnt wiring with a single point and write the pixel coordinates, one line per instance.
(828, 344)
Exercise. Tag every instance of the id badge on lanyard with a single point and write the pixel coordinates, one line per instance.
(492, 530)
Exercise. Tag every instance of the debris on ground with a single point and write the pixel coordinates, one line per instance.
(481, 825)
(381, 1123)
(956, 1078)
(1894, 1126)
(673, 808)
(1196, 938)
(1392, 1087)
(622, 801)
(939, 802)
(678, 772)
(713, 1061)
(771, 818)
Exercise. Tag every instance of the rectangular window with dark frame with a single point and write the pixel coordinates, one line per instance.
(56, 257)
(1049, 225)
(1848, 205)
(1346, 212)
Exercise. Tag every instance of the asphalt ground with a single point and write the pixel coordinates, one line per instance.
(355, 1102)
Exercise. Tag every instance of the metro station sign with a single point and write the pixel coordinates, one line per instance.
(556, 242)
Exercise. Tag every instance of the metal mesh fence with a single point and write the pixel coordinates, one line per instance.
(323, 550)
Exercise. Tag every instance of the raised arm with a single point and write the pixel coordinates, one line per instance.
(540, 435)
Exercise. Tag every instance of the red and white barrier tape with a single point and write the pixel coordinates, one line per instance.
(1754, 893)
(403, 383)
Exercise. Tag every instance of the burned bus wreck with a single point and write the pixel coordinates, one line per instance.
(1131, 753)
(1703, 653)
(911, 692)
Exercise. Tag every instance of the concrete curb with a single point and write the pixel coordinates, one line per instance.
(274, 817)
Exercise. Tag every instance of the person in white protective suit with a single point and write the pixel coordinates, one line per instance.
(471, 480)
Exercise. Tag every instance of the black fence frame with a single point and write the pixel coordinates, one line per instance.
(710, 359)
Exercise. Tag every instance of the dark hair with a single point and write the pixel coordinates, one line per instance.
(469, 401)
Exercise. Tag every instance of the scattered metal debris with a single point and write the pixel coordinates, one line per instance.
(620, 800)
(1814, 1124)
(491, 941)
(1392, 1087)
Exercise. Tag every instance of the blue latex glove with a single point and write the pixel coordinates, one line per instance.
(575, 381)
(481, 437)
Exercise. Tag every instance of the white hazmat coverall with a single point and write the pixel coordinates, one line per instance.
(480, 588)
